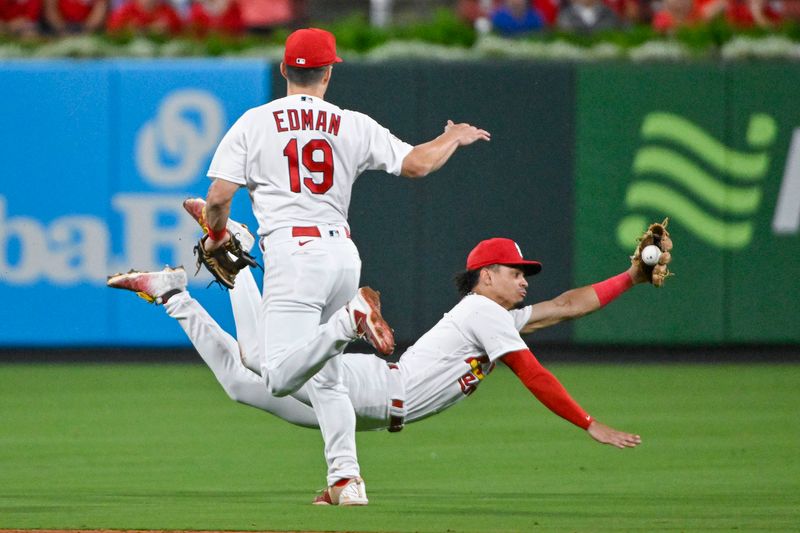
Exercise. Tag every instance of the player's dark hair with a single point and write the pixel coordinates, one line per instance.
(467, 279)
(305, 77)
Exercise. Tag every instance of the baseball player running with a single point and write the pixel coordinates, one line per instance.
(443, 367)
(299, 157)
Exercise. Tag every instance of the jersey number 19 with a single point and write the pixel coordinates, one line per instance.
(308, 151)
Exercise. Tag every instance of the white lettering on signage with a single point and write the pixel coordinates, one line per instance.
(30, 235)
(787, 211)
(142, 235)
(77, 248)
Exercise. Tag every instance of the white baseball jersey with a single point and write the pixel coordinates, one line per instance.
(449, 361)
(299, 157)
(444, 366)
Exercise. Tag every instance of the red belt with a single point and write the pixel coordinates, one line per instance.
(312, 231)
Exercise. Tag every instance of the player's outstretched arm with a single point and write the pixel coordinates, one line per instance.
(606, 435)
(548, 390)
(432, 155)
(576, 303)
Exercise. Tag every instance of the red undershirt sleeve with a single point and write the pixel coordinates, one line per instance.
(610, 289)
(546, 387)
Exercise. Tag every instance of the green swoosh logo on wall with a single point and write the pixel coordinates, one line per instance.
(678, 130)
(671, 168)
(657, 160)
(711, 229)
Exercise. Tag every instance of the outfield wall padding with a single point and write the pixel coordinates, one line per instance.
(98, 155)
(711, 147)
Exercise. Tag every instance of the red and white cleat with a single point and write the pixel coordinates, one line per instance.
(345, 492)
(154, 287)
(366, 319)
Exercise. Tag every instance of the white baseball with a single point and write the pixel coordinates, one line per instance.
(651, 254)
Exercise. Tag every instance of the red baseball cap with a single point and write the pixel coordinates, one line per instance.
(310, 48)
(499, 251)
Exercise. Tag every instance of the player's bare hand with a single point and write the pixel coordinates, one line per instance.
(466, 133)
(606, 435)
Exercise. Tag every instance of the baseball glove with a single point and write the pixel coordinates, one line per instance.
(224, 262)
(657, 235)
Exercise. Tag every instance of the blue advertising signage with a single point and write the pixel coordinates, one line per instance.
(97, 159)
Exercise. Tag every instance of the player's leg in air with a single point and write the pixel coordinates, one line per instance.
(236, 364)
(219, 350)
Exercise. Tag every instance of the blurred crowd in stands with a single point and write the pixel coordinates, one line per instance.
(27, 18)
(510, 18)
(513, 18)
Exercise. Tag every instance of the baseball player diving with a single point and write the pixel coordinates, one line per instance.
(443, 367)
(298, 157)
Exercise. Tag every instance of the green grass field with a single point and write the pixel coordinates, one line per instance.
(161, 447)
